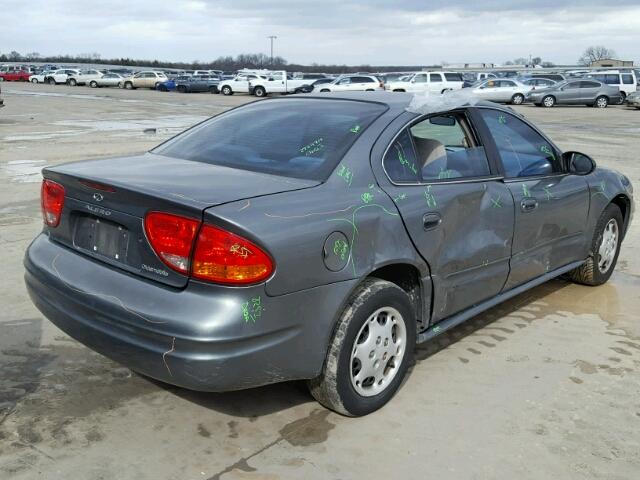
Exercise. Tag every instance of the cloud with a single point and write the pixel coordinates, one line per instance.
(372, 32)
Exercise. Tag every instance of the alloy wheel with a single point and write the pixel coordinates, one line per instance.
(608, 246)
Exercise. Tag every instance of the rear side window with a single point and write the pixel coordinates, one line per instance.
(453, 77)
(587, 84)
(438, 148)
(627, 79)
(435, 77)
(301, 138)
(523, 151)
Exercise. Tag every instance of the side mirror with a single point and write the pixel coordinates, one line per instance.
(413, 80)
(578, 163)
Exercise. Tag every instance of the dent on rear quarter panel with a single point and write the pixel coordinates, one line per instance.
(293, 226)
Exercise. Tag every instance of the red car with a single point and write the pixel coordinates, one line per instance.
(21, 76)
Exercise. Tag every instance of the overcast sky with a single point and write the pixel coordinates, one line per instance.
(376, 32)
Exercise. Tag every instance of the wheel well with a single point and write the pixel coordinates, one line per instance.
(407, 277)
(624, 204)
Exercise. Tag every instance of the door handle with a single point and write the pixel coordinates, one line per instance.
(431, 220)
(528, 204)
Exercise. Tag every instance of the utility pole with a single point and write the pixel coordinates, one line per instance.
(272, 38)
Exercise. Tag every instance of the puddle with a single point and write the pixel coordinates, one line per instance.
(24, 171)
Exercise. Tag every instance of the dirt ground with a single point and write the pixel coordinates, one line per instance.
(544, 386)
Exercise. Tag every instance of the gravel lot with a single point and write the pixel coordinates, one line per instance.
(544, 386)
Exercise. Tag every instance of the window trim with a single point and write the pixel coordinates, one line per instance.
(477, 140)
(500, 163)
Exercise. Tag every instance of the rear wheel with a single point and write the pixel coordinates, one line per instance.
(324, 90)
(623, 98)
(93, 84)
(605, 248)
(601, 102)
(370, 352)
(128, 85)
(226, 90)
(260, 91)
(72, 82)
(213, 89)
(517, 99)
(549, 101)
(52, 81)
(181, 89)
(399, 90)
(34, 80)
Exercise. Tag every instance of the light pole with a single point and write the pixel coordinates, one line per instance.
(272, 38)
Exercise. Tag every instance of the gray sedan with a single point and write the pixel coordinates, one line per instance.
(576, 92)
(316, 237)
(107, 80)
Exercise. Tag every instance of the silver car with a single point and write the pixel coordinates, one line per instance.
(501, 90)
(576, 92)
(107, 80)
(633, 100)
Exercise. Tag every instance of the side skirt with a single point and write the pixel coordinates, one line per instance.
(457, 319)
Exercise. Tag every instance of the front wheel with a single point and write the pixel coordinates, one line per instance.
(52, 81)
(34, 80)
(324, 90)
(370, 352)
(623, 98)
(93, 84)
(72, 82)
(517, 99)
(128, 85)
(226, 90)
(601, 102)
(260, 92)
(181, 89)
(605, 248)
(548, 101)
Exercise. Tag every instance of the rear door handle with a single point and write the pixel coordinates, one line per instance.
(528, 204)
(431, 220)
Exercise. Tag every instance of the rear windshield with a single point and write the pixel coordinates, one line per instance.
(301, 138)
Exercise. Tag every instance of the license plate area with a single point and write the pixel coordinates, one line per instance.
(102, 237)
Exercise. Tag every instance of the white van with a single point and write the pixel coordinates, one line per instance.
(626, 81)
(436, 82)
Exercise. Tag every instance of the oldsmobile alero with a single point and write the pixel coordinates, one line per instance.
(316, 237)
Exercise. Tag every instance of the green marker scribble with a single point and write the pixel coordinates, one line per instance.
(547, 151)
(431, 200)
(547, 192)
(252, 309)
(525, 190)
(497, 202)
(502, 119)
(340, 249)
(346, 174)
(366, 197)
(601, 188)
(406, 163)
(355, 129)
(313, 147)
(402, 196)
(445, 174)
(436, 329)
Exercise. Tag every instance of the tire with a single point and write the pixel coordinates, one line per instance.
(623, 98)
(226, 90)
(324, 90)
(517, 99)
(260, 91)
(181, 89)
(549, 101)
(399, 90)
(601, 255)
(162, 88)
(34, 80)
(601, 102)
(51, 81)
(213, 89)
(338, 387)
(93, 84)
(72, 82)
(128, 85)
(369, 90)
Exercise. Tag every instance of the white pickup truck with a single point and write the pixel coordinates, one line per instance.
(436, 82)
(275, 82)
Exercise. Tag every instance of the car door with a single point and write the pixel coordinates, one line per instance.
(436, 83)
(342, 85)
(456, 210)
(589, 91)
(570, 94)
(487, 90)
(419, 83)
(276, 82)
(551, 205)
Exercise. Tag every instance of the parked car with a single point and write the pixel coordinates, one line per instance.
(633, 100)
(109, 79)
(170, 84)
(238, 84)
(316, 237)
(145, 79)
(625, 81)
(307, 88)
(538, 82)
(436, 82)
(85, 77)
(276, 82)
(351, 83)
(15, 76)
(502, 90)
(197, 83)
(576, 92)
(40, 77)
(557, 77)
(60, 76)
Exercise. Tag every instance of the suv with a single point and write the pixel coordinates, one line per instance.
(351, 83)
(238, 84)
(60, 76)
(435, 82)
(145, 79)
(195, 83)
(85, 77)
(625, 81)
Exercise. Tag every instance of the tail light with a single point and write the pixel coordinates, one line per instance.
(52, 201)
(224, 257)
(171, 237)
(217, 255)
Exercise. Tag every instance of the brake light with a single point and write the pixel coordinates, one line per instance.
(52, 201)
(171, 237)
(224, 257)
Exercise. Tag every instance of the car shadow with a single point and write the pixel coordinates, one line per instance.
(256, 402)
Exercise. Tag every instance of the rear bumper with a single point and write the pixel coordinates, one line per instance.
(204, 337)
